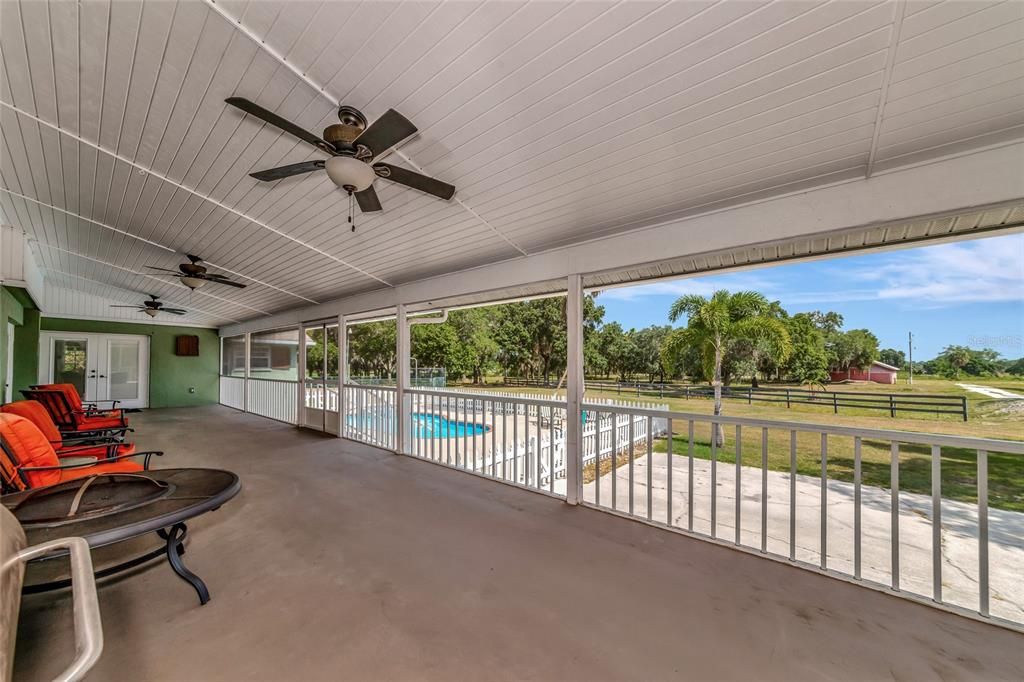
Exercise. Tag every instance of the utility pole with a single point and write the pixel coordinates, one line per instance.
(910, 355)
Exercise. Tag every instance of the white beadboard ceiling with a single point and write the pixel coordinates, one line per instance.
(558, 122)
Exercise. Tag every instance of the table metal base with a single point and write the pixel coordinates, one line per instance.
(174, 548)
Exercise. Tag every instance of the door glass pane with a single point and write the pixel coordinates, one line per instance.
(331, 347)
(274, 355)
(123, 372)
(232, 361)
(314, 352)
(69, 357)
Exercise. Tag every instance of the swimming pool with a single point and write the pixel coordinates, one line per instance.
(425, 425)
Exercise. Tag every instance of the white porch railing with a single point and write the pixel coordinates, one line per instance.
(319, 396)
(516, 438)
(232, 392)
(370, 415)
(273, 398)
(960, 554)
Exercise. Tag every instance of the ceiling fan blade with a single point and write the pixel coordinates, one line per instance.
(275, 120)
(153, 267)
(221, 279)
(173, 311)
(415, 180)
(288, 171)
(126, 306)
(386, 132)
(368, 201)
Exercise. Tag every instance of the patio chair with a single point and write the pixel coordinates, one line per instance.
(31, 461)
(99, 447)
(15, 552)
(70, 415)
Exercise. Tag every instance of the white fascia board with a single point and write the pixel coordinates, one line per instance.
(984, 178)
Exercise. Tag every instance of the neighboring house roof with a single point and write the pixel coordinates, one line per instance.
(876, 363)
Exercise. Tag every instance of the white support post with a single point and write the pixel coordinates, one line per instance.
(245, 380)
(300, 384)
(342, 374)
(574, 392)
(402, 378)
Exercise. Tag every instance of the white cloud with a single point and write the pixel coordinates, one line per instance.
(702, 286)
(984, 270)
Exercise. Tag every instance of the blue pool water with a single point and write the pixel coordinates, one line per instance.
(426, 425)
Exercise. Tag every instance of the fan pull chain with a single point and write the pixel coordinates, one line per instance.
(352, 211)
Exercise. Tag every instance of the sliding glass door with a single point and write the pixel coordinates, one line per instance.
(320, 377)
(101, 366)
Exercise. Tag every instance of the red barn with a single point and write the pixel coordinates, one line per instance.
(878, 372)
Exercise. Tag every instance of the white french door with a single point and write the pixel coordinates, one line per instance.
(101, 366)
(318, 375)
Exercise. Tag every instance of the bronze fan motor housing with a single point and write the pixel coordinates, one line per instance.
(343, 135)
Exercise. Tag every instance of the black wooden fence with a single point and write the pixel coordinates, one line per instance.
(893, 403)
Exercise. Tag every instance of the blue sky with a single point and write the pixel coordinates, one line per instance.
(967, 293)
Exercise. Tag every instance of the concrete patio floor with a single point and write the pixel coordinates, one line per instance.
(340, 561)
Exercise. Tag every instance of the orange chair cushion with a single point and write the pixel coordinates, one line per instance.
(96, 423)
(98, 451)
(34, 411)
(74, 399)
(30, 447)
(108, 468)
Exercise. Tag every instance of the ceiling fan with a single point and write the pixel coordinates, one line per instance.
(153, 307)
(353, 146)
(194, 274)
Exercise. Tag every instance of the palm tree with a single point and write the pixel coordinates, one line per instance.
(713, 324)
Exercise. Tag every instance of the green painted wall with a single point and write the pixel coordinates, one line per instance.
(170, 376)
(26, 351)
(11, 310)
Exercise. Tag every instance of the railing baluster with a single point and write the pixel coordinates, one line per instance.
(504, 440)
(856, 508)
(983, 587)
(792, 495)
(894, 483)
(764, 489)
(515, 442)
(597, 460)
(650, 469)
(615, 470)
(739, 479)
(937, 523)
(551, 453)
(824, 500)
(471, 431)
(714, 479)
(689, 476)
(668, 473)
(630, 456)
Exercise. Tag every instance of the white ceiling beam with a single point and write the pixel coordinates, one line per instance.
(946, 186)
(150, 242)
(190, 190)
(126, 299)
(321, 90)
(899, 10)
(148, 276)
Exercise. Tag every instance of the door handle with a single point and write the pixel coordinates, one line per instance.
(103, 376)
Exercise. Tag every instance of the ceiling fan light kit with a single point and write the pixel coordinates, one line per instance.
(193, 282)
(194, 274)
(349, 173)
(353, 147)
